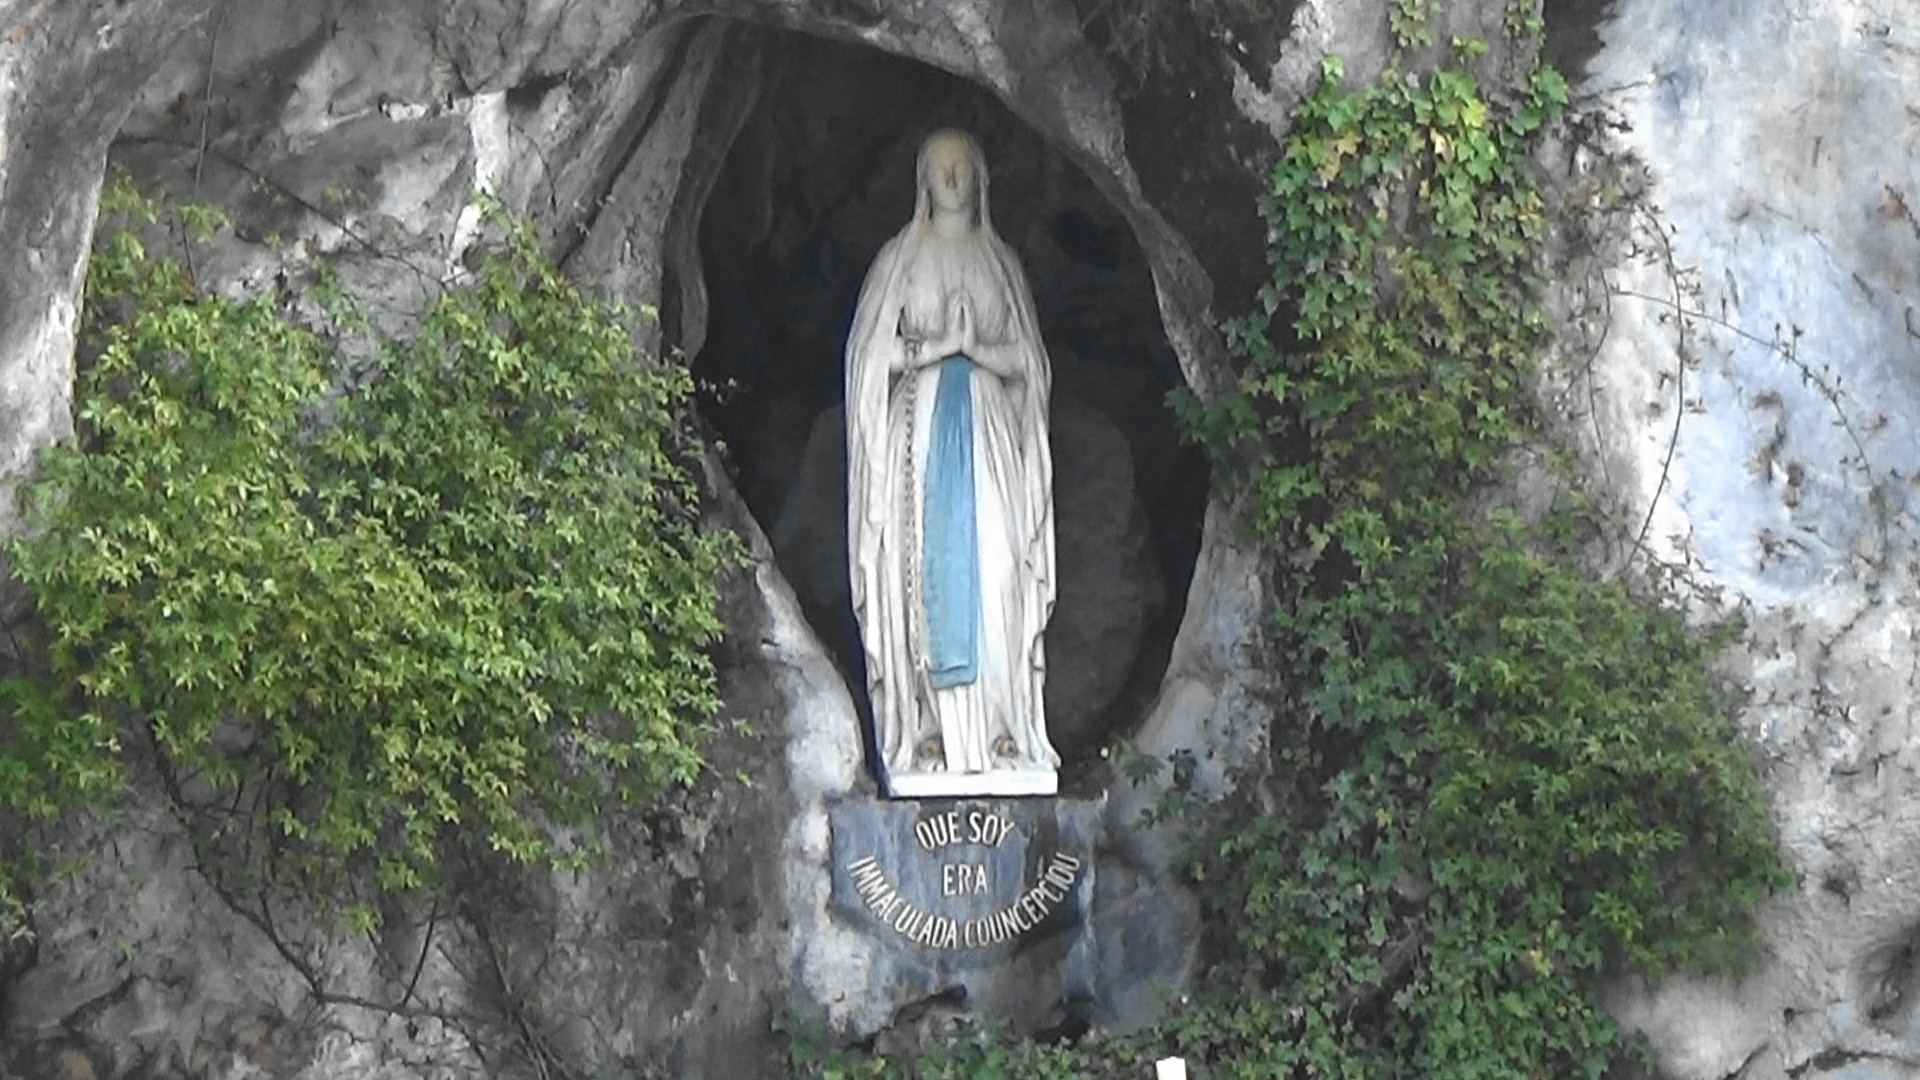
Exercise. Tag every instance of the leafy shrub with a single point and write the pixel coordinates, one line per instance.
(471, 595)
(1511, 777)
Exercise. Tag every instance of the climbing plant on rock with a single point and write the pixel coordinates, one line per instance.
(469, 594)
(1510, 777)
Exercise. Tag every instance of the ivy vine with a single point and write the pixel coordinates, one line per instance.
(1510, 778)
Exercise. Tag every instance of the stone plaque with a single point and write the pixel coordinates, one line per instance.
(962, 883)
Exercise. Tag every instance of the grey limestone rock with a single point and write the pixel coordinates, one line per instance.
(1763, 434)
(355, 131)
(1777, 281)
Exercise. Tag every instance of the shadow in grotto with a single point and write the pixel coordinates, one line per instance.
(1572, 34)
(819, 178)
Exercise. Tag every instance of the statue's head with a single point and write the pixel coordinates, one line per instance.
(952, 175)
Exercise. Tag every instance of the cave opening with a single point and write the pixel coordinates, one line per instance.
(1572, 34)
(819, 177)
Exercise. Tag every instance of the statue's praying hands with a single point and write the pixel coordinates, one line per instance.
(959, 338)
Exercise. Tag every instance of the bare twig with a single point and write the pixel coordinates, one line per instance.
(426, 942)
(206, 97)
(1680, 381)
(539, 1051)
(433, 280)
(1593, 390)
(1783, 351)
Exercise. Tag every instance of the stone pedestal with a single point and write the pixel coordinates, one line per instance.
(979, 898)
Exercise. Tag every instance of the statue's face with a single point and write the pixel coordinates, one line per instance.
(950, 175)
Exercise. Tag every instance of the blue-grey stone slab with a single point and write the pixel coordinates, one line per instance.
(960, 887)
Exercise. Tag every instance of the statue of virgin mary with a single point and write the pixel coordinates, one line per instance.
(950, 495)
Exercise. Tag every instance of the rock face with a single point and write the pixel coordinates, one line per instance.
(355, 131)
(1751, 399)
(63, 102)
(1757, 395)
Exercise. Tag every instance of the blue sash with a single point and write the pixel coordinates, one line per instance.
(950, 535)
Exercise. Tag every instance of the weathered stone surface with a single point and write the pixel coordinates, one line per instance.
(354, 131)
(68, 76)
(1764, 439)
(1752, 401)
(354, 135)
